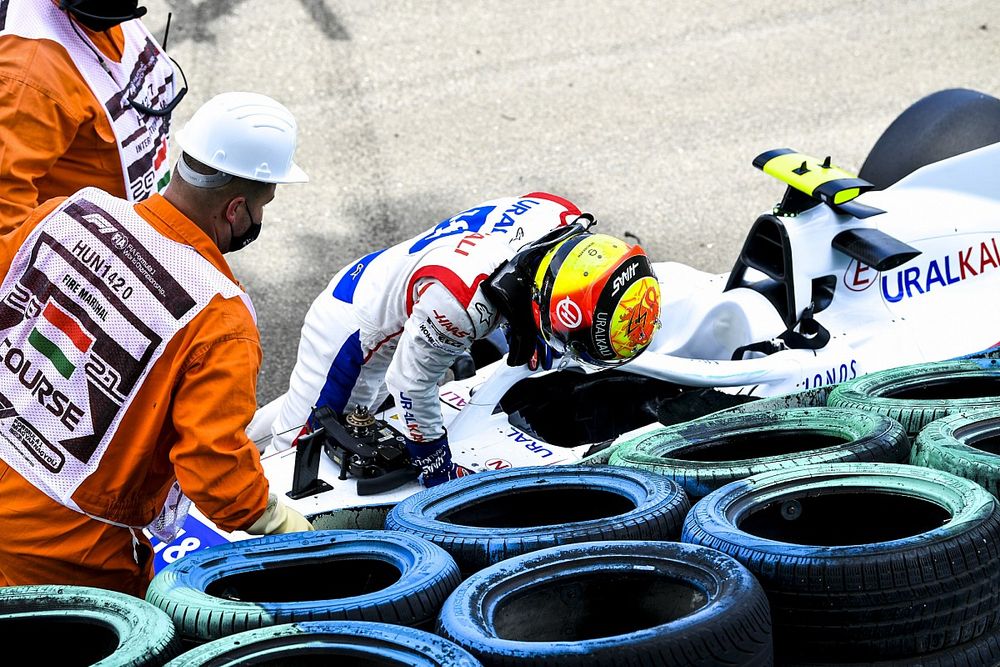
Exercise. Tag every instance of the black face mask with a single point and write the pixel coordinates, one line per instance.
(249, 236)
(101, 15)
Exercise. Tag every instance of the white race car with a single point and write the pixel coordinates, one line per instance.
(845, 276)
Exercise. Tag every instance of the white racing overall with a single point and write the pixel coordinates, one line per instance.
(395, 320)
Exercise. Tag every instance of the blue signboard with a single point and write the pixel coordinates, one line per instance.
(194, 536)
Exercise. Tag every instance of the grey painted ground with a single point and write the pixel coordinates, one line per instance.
(646, 113)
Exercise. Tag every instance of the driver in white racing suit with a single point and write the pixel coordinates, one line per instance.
(394, 321)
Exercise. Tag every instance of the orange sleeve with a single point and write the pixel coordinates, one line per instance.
(217, 465)
(11, 241)
(35, 130)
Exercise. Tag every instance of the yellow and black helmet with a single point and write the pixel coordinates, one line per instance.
(596, 298)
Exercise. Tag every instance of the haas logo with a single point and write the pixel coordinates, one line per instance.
(622, 278)
(448, 326)
(569, 313)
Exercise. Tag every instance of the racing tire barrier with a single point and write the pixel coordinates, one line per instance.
(938, 126)
(707, 453)
(964, 444)
(493, 515)
(612, 603)
(329, 642)
(82, 625)
(984, 650)
(365, 575)
(862, 561)
(918, 394)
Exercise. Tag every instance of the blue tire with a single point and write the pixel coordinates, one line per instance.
(82, 625)
(339, 642)
(494, 515)
(979, 652)
(862, 561)
(322, 575)
(612, 603)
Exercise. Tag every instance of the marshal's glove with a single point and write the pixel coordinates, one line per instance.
(434, 460)
(278, 518)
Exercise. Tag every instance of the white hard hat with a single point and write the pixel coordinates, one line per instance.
(244, 134)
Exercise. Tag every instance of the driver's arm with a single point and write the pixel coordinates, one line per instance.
(437, 332)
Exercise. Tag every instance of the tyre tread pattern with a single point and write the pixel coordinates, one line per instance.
(877, 600)
(427, 577)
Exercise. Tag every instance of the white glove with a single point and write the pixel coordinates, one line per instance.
(278, 518)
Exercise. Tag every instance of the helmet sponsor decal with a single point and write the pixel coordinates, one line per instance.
(625, 276)
(635, 318)
(568, 313)
(626, 312)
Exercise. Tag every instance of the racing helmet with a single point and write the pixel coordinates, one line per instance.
(595, 298)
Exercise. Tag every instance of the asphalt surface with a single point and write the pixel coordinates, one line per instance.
(646, 112)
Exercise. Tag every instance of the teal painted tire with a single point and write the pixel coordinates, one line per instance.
(707, 453)
(363, 575)
(329, 642)
(82, 625)
(918, 394)
(966, 444)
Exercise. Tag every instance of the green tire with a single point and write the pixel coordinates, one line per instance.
(862, 561)
(966, 444)
(918, 394)
(82, 625)
(705, 454)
